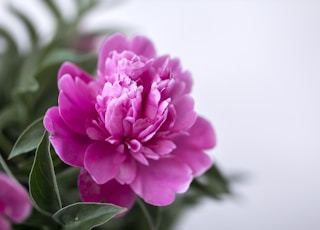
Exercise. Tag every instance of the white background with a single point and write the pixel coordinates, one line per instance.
(256, 69)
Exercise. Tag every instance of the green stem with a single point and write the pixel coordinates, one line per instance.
(6, 168)
(146, 214)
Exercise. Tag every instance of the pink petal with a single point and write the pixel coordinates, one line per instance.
(117, 42)
(202, 134)
(71, 150)
(185, 115)
(74, 71)
(54, 123)
(114, 117)
(127, 171)
(196, 159)
(76, 104)
(14, 199)
(152, 103)
(69, 146)
(79, 92)
(190, 147)
(142, 46)
(186, 79)
(4, 224)
(72, 115)
(100, 162)
(162, 147)
(110, 192)
(158, 182)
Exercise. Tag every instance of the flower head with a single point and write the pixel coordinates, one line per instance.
(14, 202)
(133, 128)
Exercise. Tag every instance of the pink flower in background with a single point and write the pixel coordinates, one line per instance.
(15, 204)
(133, 129)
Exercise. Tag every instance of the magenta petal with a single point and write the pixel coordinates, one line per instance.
(71, 150)
(196, 159)
(76, 104)
(190, 147)
(74, 71)
(185, 115)
(54, 123)
(186, 78)
(142, 46)
(100, 162)
(110, 192)
(162, 147)
(117, 42)
(115, 115)
(158, 182)
(83, 95)
(14, 199)
(202, 134)
(4, 224)
(127, 171)
(69, 146)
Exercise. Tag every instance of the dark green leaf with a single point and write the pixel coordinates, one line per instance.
(42, 182)
(67, 182)
(213, 183)
(85, 216)
(29, 139)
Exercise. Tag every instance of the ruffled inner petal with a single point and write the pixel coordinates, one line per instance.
(76, 104)
(117, 42)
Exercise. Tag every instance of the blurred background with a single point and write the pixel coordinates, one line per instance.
(256, 70)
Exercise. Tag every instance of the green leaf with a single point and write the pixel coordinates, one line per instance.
(213, 183)
(85, 216)
(54, 10)
(34, 38)
(42, 181)
(12, 47)
(29, 139)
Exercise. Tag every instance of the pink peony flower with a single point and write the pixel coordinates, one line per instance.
(14, 202)
(133, 129)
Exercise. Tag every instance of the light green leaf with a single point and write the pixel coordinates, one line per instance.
(42, 181)
(29, 139)
(85, 216)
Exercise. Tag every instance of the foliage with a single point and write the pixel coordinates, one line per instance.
(27, 89)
